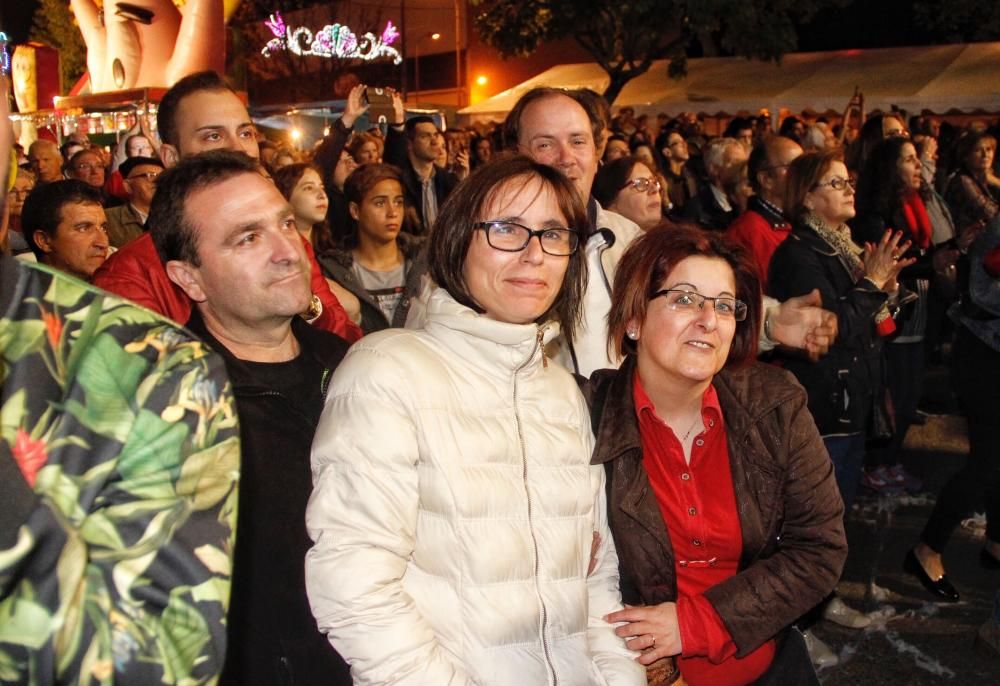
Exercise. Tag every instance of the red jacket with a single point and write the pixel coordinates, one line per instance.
(760, 230)
(135, 272)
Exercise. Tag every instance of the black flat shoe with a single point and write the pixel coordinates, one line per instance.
(987, 560)
(942, 588)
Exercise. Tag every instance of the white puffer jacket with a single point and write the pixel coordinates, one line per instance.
(590, 340)
(454, 509)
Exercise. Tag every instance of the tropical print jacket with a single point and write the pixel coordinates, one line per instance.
(120, 453)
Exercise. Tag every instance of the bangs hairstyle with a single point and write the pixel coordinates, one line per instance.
(451, 237)
(803, 175)
(613, 177)
(967, 143)
(166, 114)
(648, 262)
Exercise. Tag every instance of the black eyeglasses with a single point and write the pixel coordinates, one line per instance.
(643, 185)
(680, 300)
(513, 237)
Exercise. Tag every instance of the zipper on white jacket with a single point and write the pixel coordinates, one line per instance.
(546, 651)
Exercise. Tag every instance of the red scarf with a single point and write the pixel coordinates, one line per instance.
(917, 220)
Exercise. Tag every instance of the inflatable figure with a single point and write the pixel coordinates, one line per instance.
(151, 43)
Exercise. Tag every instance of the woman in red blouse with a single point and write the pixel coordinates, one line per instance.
(722, 499)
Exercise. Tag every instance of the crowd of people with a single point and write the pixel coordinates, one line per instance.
(576, 398)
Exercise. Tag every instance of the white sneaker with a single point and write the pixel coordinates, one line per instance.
(839, 612)
(819, 652)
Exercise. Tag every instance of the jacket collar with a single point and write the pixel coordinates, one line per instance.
(512, 346)
(771, 214)
(745, 396)
(618, 431)
(326, 348)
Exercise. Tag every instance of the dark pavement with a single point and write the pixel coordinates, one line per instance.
(914, 640)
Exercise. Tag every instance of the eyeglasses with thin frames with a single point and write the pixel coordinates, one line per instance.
(838, 184)
(680, 300)
(513, 237)
(643, 185)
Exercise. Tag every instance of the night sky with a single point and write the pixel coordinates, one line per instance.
(15, 18)
(853, 26)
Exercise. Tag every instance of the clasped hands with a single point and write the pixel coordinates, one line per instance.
(652, 630)
(884, 260)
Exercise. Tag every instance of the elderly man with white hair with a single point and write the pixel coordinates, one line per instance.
(711, 208)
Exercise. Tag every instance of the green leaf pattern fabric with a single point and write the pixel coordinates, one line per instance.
(125, 428)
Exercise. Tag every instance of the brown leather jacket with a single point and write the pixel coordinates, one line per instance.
(790, 511)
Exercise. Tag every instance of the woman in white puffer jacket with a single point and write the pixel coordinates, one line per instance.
(460, 531)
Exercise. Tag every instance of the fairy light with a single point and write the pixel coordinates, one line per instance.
(333, 40)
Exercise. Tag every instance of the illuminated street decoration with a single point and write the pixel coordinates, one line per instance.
(4, 55)
(333, 40)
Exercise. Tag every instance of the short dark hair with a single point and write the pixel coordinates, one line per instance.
(737, 124)
(649, 260)
(128, 141)
(70, 164)
(788, 127)
(168, 223)
(42, 209)
(411, 125)
(67, 145)
(366, 177)
(612, 177)
(359, 183)
(512, 124)
(618, 137)
(448, 245)
(761, 158)
(166, 114)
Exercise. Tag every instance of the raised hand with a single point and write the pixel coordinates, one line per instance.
(883, 260)
(356, 105)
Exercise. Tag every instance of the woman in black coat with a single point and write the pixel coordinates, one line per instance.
(859, 285)
(891, 194)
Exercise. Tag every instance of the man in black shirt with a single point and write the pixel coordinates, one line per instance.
(228, 238)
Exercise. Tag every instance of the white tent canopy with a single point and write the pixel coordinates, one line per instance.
(938, 78)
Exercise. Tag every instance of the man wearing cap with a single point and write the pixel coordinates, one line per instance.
(128, 221)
